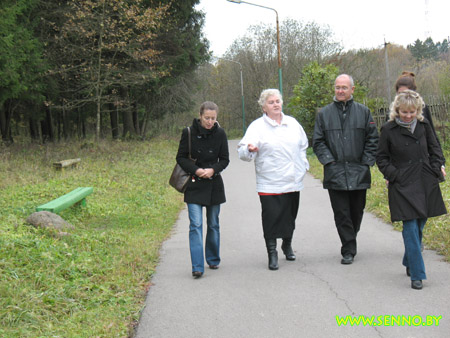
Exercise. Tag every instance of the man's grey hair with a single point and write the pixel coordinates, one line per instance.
(352, 83)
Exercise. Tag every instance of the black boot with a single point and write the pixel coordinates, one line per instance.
(271, 245)
(287, 249)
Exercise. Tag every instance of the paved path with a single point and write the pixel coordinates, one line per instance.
(302, 299)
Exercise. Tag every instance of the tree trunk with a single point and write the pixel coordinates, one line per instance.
(83, 126)
(79, 123)
(65, 124)
(2, 121)
(128, 127)
(5, 122)
(137, 128)
(34, 129)
(47, 126)
(58, 126)
(99, 89)
(144, 126)
(114, 118)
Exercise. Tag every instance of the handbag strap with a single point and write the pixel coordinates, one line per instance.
(189, 138)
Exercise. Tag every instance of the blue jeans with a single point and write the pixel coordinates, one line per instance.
(412, 238)
(212, 245)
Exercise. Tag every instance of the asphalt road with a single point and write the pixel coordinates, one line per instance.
(302, 299)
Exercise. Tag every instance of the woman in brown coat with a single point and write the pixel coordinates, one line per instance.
(410, 159)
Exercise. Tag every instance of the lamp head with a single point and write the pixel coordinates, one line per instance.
(235, 1)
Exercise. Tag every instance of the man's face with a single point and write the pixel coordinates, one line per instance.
(343, 89)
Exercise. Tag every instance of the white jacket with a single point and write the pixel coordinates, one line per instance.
(280, 163)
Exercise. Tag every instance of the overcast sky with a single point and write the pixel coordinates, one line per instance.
(355, 23)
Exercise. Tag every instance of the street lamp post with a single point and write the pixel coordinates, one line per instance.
(242, 92)
(388, 81)
(280, 77)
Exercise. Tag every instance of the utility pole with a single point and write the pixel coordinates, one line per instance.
(388, 81)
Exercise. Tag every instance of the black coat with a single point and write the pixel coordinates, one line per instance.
(426, 113)
(345, 146)
(412, 164)
(210, 150)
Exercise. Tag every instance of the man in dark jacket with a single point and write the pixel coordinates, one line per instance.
(345, 141)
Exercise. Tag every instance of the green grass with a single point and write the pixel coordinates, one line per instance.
(93, 282)
(437, 229)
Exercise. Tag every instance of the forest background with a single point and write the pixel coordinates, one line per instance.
(113, 82)
(128, 69)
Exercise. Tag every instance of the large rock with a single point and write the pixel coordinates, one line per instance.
(47, 219)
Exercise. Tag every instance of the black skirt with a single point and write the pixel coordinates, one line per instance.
(278, 214)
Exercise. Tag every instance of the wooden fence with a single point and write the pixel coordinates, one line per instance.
(440, 111)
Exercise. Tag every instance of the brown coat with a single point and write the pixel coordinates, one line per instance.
(411, 163)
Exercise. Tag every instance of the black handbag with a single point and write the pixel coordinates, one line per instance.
(179, 178)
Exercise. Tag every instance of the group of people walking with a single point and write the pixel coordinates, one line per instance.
(347, 144)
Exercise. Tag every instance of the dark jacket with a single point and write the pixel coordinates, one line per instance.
(210, 150)
(426, 114)
(345, 142)
(412, 164)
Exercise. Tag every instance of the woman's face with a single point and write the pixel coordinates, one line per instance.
(402, 89)
(407, 114)
(272, 105)
(208, 118)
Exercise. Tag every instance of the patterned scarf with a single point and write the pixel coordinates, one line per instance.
(411, 126)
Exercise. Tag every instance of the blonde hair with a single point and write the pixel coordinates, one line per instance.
(265, 94)
(407, 99)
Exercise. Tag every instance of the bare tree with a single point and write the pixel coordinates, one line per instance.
(257, 52)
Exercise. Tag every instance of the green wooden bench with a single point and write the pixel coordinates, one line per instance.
(67, 200)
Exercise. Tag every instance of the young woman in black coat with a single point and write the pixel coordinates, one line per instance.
(209, 149)
(410, 159)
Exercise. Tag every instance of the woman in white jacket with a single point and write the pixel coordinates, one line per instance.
(278, 144)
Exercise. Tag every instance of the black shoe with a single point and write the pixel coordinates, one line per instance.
(273, 261)
(408, 273)
(213, 267)
(347, 259)
(287, 249)
(197, 274)
(416, 284)
(271, 245)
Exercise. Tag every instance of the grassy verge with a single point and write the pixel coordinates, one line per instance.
(437, 230)
(93, 282)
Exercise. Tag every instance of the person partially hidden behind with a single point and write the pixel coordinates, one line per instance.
(345, 141)
(410, 159)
